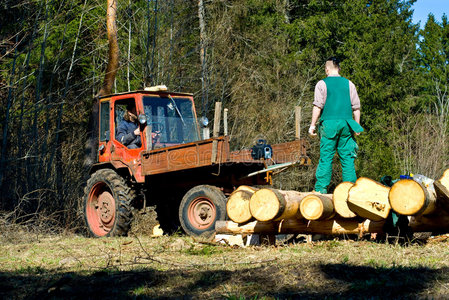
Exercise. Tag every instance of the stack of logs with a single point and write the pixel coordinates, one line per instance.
(354, 208)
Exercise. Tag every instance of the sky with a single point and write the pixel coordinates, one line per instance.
(422, 8)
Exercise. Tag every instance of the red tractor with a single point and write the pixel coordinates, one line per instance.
(185, 177)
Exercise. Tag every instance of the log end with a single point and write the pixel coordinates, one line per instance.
(340, 199)
(316, 207)
(265, 205)
(407, 197)
(369, 199)
(237, 207)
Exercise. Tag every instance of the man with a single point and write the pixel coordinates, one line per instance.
(335, 103)
(128, 131)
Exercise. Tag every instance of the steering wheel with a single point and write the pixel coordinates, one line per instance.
(156, 126)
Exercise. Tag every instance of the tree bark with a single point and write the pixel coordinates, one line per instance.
(369, 199)
(203, 59)
(430, 223)
(295, 226)
(113, 53)
(340, 199)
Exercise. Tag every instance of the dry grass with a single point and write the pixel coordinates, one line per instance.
(72, 266)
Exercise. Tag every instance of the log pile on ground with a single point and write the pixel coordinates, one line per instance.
(354, 208)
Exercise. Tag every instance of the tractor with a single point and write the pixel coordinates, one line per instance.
(185, 176)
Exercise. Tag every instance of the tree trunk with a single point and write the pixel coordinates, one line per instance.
(270, 204)
(369, 199)
(340, 199)
(410, 198)
(238, 204)
(317, 207)
(113, 53)
(203, 59)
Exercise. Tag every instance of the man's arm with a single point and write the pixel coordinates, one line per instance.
(125, 135)
(356, 115)
(316, 112)
(319, 100)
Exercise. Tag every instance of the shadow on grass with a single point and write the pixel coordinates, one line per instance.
(315, 281)
(386, 282)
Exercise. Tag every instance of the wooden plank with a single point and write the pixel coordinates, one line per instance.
(298, 122)
(216, 131)
(225, 122)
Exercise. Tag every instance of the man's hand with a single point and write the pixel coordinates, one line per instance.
(312, 130)
(137, 131)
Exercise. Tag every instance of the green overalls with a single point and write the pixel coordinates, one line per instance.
(336, 130)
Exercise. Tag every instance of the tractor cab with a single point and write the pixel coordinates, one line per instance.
(163, 119)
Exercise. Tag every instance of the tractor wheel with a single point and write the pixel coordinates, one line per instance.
(107, 204)
(200, 208)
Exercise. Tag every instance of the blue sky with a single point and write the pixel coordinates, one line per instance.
(422, 8)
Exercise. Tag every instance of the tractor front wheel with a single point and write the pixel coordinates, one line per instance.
(200, 208)
(107, 204)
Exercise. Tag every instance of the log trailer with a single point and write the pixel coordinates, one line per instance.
(187, 178)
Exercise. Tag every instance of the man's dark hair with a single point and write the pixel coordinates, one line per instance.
(335, 61)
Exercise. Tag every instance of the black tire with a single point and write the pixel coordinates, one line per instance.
(200, 208)
(113, 217)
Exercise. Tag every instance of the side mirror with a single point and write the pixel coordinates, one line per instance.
(204, 121)
(142, 119)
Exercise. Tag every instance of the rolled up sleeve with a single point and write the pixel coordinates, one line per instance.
(355, 100)
(320, 94)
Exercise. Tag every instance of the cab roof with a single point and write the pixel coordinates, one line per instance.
(143, 92)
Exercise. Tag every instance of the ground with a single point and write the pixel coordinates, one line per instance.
(65, 266)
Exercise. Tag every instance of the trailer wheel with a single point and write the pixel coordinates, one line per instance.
(107, 204)
(200, 208)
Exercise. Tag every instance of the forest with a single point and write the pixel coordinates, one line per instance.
(261, 59)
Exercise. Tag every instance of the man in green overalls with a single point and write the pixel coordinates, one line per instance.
(336, 101)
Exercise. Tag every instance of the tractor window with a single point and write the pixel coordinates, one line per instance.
(104, 122)
(122, 130)
(173, 117)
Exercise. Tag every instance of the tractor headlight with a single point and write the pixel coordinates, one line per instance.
(142, 119)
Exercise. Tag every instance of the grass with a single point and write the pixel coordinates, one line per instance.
(72, 266)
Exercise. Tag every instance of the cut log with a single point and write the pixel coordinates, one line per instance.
(229, 227)
(442, 190)
(247, 188)
(317, 207)
(430, 223)
(369, 199)
(332, 227)
(340, 199)
(410, 198)
(270, 204)
(295, 226)
(237, 206)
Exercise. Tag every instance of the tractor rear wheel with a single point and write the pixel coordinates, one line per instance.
(107, 204)
(200, 208)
